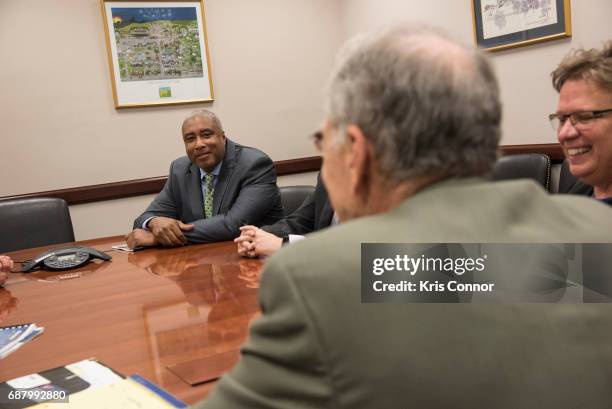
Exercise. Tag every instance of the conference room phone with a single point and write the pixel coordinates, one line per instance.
(64, 258)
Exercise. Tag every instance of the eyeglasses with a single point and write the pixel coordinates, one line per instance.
(317, 139)
(577, 119)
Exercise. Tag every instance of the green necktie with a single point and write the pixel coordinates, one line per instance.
(208, 198)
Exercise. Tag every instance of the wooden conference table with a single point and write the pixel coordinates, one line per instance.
(166, 314)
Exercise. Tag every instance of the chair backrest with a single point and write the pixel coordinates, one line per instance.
(534, 166)
(293, 196)
(26, 223)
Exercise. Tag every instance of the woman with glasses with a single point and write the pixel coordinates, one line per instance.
(583, 120)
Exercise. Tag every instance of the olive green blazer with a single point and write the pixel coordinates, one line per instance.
(317, 346)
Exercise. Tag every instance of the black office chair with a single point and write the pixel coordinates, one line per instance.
(26, 223)
(534, 166)
(293, 196)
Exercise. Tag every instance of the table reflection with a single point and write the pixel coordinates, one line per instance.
(219, 300)
(58, 276)
(145, 312)
(8, 303)
(250, 272)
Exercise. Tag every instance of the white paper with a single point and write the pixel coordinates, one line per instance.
(94, 373)
(126, 394)
(28, 381)
(122, 247)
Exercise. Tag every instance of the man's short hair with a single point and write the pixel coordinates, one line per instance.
(206, 114)
(429, 105)
(581, 64)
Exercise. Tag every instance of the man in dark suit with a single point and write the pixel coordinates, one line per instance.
(315, 213)
(219, 186)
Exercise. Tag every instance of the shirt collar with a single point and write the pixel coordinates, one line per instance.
(215, 171)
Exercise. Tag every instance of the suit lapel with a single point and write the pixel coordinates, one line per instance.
(194, 187)
(580, 188)
(225, 175)
(326, 215)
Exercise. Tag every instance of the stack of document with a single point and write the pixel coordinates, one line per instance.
(131, 393)
(12, 338)
(87, 384)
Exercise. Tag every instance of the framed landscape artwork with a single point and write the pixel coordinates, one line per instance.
(502, 24)
(157, 52)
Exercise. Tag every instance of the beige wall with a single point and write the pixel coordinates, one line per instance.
(270, 60)
(60, 129)
(524, 73)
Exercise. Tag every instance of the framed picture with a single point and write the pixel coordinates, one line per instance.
(502, 24)
(157, 52)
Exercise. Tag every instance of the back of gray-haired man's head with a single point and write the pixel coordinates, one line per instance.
(429, 106)
(206, 114)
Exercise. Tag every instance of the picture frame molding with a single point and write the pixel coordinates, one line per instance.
(509, 41)
(206, 65)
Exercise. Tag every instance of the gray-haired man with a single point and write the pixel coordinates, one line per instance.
(412, 126)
